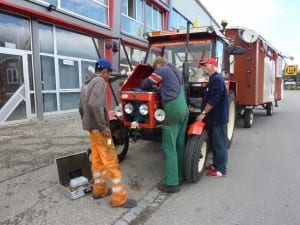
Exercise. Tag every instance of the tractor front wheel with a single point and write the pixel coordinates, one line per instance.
(195, 156)
(120, 139)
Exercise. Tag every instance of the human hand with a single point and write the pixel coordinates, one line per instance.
(106, 132)
(200, 117)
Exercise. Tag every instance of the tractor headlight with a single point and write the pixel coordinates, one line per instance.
(118, 110)
(159, 115)
(143, 109)
(128, 108)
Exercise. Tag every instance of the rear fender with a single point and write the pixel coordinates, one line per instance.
(196, 128)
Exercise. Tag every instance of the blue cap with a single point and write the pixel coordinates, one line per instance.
(103, 64)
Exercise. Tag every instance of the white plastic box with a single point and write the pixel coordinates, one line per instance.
(74, 175)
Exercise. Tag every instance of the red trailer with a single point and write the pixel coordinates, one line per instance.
(258, 73)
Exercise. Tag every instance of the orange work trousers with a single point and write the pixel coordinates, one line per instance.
(105, 165)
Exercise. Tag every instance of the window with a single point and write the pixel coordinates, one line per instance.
(154, 18)
(132, 17)
(85, 65)
(12, 75)
(175, 52)
(15, 32)
(138, 17)
(19, 113)
(48, 73)
(46, 38)
(67, 45)
(139, 11)
(93, 9)
(64, 65)
(133, 9)
(69, 101)
(136, 56)
(177, 20)
(68, 74)
(50, 102)
(30, 73)
(96, 10)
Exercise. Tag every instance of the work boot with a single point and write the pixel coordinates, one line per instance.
(108, 193)
(168, 188)
(130, 203)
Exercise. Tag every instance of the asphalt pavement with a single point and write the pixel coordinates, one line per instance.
(262, 186)
(29, 191)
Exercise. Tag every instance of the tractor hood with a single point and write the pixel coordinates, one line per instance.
(139, 73)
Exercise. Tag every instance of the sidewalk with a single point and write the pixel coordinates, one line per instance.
(28, 179)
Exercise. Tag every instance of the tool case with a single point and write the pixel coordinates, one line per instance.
(74, 175)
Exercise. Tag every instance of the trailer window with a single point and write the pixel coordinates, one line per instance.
(219, 54)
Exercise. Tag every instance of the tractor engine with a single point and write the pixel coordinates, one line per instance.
(142, 112)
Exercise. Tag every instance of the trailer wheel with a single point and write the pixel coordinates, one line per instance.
(269, 109)
(248, 118)
(195, 157)
(232, 119)
(120, 139)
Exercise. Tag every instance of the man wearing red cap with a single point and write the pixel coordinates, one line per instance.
(94, 115)
(215, 114)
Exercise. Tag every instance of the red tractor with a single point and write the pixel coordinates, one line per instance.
(142, 113)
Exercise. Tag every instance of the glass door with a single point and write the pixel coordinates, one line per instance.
(14, 88)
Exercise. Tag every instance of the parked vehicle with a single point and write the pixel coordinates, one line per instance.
(258, 74)
(142, 113)
(252, 72)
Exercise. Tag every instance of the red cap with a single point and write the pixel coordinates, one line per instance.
(209, 61)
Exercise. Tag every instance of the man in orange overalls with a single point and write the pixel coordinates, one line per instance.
(94, 115)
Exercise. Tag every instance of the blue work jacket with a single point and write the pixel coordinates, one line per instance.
(216, 95)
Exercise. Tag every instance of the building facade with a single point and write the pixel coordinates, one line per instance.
(47, 47)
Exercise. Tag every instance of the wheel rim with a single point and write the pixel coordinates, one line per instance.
(201, 161)
(251, 118)
(271, 109)
(230, 125)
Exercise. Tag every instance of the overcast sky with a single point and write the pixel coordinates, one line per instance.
(277, 21)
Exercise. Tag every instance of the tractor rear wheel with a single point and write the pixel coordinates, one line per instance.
(195, 157)
(232, 119)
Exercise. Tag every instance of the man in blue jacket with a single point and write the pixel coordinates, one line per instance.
(215, 114)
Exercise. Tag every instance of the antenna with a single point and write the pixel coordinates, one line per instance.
(249, 36)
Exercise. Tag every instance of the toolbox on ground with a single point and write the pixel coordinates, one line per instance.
(74, 175)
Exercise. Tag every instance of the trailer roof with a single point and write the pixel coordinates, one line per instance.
(259, 37)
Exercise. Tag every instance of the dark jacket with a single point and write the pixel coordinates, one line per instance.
(216, 95)
(92, 105)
